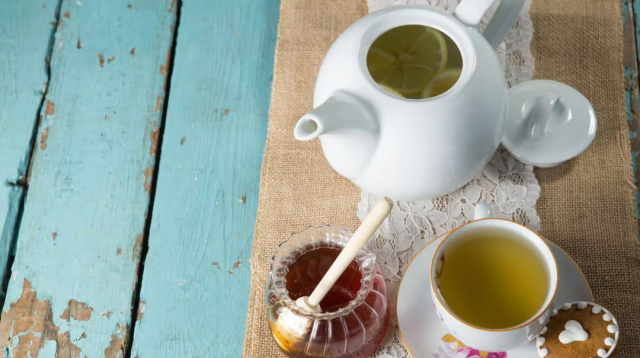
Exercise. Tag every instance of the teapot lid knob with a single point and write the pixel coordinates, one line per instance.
(547, 123)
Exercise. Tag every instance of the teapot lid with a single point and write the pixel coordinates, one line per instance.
(548, 123)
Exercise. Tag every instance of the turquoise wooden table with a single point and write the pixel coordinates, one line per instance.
(131, 140)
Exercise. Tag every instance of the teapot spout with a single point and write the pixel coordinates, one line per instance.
(347, 131)
(308, 127)
(339, 112)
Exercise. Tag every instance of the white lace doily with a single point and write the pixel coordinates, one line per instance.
(509, 185)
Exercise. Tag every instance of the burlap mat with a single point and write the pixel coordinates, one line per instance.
(587, 205)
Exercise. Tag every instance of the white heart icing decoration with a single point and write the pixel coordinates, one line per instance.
(573, 332)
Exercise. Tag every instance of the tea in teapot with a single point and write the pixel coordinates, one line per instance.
(414, 61)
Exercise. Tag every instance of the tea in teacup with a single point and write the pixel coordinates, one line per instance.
(492, 278)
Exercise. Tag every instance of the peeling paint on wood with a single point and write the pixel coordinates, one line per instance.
(148, 175)
(158, 103)
(137, 248)
(198, 229)
(141, 308)
(101, 60)
(78, 44)
(43, 138)
(66, 15)
(28, 323)
(236, 265)
(153, 137)
(50, 108)
(118, 340)
(79, 311)
(133, 52)
(86, 185)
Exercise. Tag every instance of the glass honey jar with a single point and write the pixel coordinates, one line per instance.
(355, 313)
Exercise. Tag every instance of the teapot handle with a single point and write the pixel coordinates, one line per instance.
(470, 12)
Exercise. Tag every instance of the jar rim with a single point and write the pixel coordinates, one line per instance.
(316, 236)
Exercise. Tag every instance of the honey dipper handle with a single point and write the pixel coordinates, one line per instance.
(369, 226)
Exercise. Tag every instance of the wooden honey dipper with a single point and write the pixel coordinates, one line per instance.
(368, 227)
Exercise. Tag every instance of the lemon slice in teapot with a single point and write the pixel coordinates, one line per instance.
(379, 59)
(406, 58)
(392, 91)
(442, 82)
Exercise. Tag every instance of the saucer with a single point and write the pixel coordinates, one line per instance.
(425, 337)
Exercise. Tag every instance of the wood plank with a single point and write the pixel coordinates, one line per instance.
(25, 31)
(74, 275)
(197, 274)
(630, 11)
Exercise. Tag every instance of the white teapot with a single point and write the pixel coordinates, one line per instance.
(415, 149)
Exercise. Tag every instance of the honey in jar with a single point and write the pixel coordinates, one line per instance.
(305, 274)
(355, 315)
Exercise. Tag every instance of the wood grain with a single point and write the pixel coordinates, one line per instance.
(25, 31)
(197, 274)
(72, 282)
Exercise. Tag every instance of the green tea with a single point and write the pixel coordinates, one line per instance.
(494, 279)
(414, 61)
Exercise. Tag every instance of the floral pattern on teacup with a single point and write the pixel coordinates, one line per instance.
(453, 348)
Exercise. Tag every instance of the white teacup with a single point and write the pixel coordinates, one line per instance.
(495, 339)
